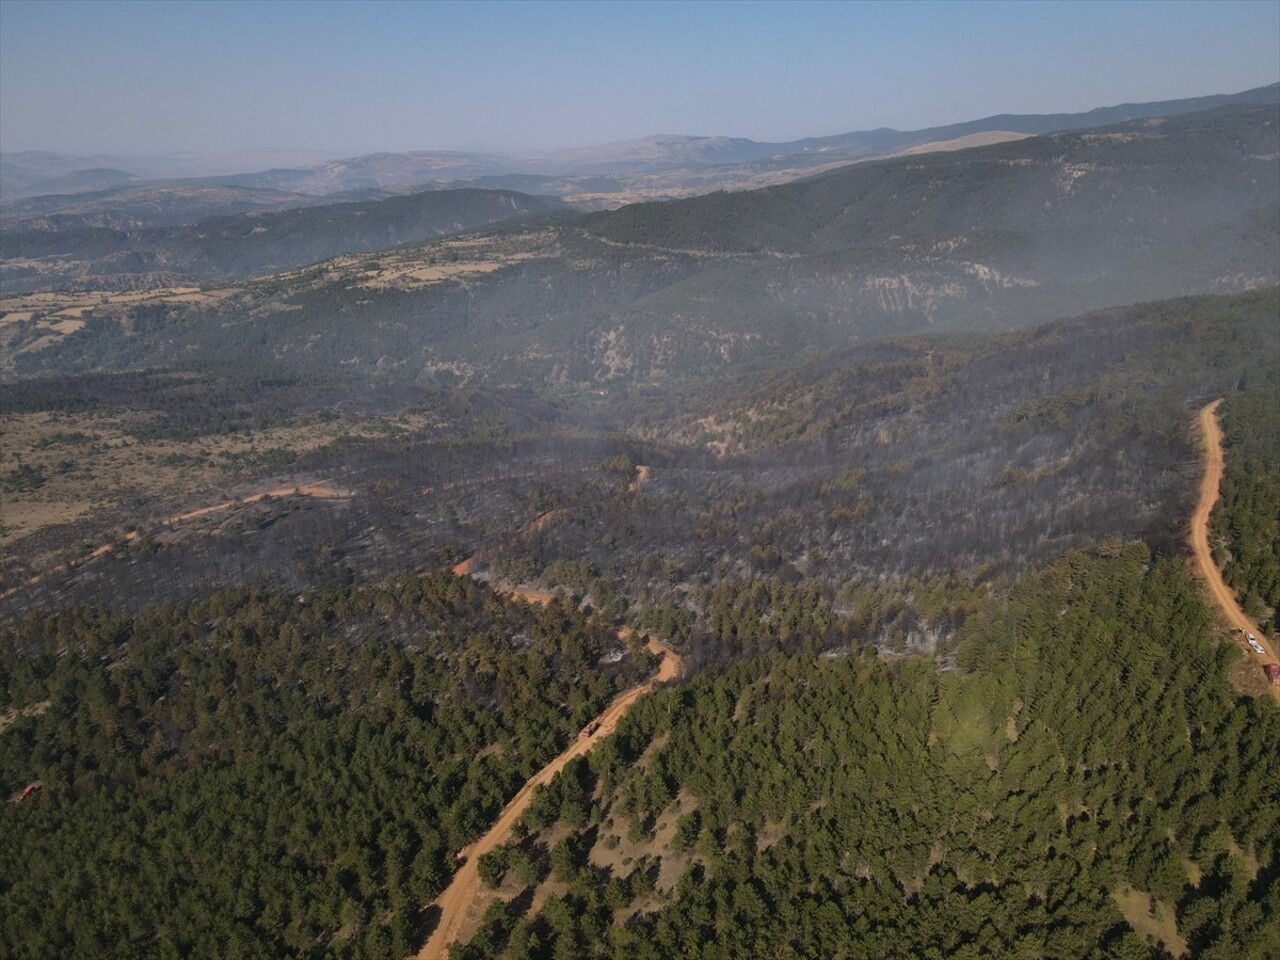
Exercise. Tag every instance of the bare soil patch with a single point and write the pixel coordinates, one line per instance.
(641, 478)
(1152, 919)
(983, 139)
(10, 717)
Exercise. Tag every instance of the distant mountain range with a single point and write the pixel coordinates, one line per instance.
(651, 167)
(138, 204)
(987, 238)
(37, 172)
(675, 151)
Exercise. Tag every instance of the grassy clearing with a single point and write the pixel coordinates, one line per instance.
(1151, 919)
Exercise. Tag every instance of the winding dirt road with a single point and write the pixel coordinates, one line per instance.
(461, 894)
(461, 897)
(468, 566)
(1222, 594)
(314, 492)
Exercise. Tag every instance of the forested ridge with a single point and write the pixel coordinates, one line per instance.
(1087, 753)
(878, 474)
(263, 774)
(221, 248)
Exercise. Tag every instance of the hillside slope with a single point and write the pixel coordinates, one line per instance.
(988, 238)
(924, 456)
(230, 247)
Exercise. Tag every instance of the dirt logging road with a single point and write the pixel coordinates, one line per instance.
(461, 898)
(314, 492)
(1223, 596)
(469, 565)
(461, 895)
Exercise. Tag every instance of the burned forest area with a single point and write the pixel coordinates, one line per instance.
(859, 506)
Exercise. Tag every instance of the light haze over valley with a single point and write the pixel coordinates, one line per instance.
(639, 480)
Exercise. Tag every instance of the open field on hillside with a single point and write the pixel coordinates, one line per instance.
(413, 267)
(60, 467)
(56, 304)
(35, 321)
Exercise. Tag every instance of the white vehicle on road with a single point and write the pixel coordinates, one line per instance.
(1257, 647)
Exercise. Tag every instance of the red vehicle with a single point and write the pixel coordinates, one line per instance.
(1273, 672)
(588, 730)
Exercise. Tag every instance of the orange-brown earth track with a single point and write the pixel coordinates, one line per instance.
(460, 897)
(1223, 596)
(459, 901)
(468, 566)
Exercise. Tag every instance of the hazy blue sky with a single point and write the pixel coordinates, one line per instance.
(342, 78)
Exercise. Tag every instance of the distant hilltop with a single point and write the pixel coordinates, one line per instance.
(681, 164)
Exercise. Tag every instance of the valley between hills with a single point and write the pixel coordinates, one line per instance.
(853, 564)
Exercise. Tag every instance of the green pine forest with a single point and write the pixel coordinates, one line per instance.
(1248, 525)
(268, 774)
(1085, 749)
